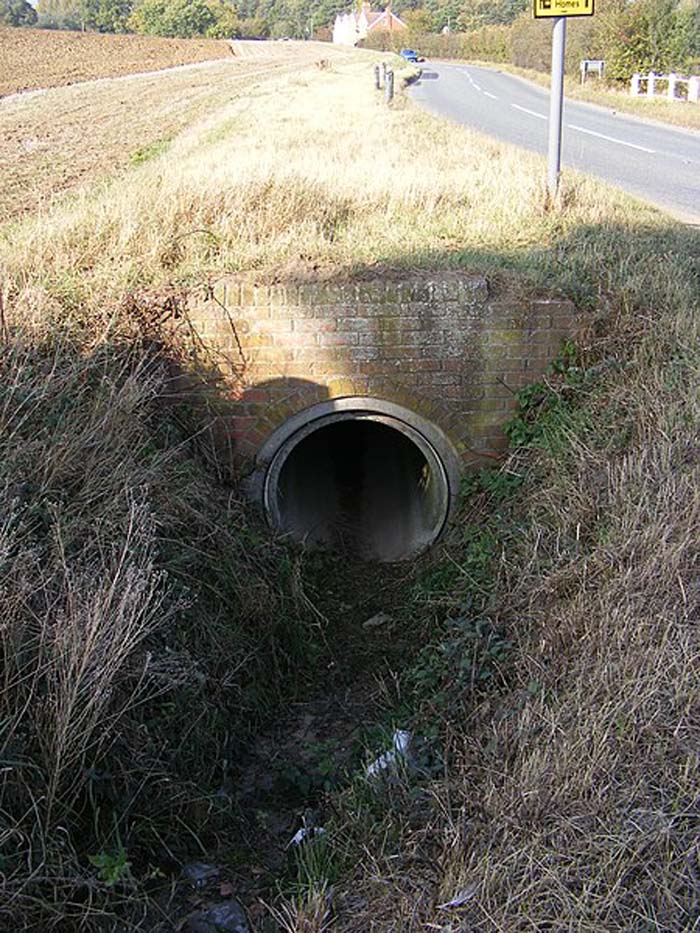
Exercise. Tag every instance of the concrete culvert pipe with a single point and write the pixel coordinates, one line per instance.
(361, 481)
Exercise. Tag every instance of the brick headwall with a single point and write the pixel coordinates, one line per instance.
(440, 347)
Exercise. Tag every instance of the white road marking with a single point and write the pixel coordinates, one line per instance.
(492, 96)
(532, 113)
(610, 139)
(478, 87)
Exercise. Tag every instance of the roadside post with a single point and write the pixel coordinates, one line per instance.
(389, 86)
(559, 11)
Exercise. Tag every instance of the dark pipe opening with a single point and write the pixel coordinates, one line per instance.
(361, 486)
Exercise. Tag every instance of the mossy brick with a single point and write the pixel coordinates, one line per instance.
(502, 337)
(371, 293)
(267, 326)
(464, 290)
(484, 422)
(498, 390)
(342, 387)
(365, 354)
(543, 353)
(314, 325)
(553, 306)
(504, 315)
(314, 355)
(444, 379)
(424, 365)
(282, 296)
(273, 356)
(497, 441)
(417, 293)
(226, 293)
(325, 368)
(253, 295)
(371, 309)
(339, 338)
(487, 403)
(405, 323)
(503, 358)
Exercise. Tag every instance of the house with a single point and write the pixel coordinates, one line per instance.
(350, 28)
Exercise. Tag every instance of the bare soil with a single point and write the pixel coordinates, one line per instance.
(41, 58)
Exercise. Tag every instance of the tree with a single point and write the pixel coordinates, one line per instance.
(226, 22)
(475, 14)
(107, 15)
(17, 13)
(61, 14)
(183, 18)
(686, 38)
(418, 21)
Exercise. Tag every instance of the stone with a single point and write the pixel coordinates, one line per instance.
(381, 618)
(227, 917)
(198, 873)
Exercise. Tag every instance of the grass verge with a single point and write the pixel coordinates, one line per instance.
(676, 113)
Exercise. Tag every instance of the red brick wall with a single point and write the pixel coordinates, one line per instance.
(438, 346)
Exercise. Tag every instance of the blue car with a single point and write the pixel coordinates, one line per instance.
(410, 56)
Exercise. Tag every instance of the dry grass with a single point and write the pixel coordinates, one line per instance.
(294, 177)
(133, 593)
(570, 795)
(568, 798)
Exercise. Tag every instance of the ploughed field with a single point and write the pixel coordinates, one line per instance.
(59, 139)
(39, 58)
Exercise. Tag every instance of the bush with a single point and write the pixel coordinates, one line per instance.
(182, 18)
(489, 44)
(17, 13)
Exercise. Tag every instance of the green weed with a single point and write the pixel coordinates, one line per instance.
(149, 152)
(113, 867)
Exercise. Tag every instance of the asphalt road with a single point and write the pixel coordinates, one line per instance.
(656, 163)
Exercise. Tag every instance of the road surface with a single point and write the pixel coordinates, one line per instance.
(656, 163)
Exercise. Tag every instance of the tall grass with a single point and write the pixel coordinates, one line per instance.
(144, 627)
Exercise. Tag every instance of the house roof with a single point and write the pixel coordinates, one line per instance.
(384, 18)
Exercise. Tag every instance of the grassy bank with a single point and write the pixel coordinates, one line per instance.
(151, 628)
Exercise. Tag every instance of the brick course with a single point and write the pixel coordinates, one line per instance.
(438, 346)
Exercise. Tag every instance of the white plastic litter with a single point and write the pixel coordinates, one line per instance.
(301, 834)
(401, 741)
(459, 899)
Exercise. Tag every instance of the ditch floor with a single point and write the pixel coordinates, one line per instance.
(284, 781)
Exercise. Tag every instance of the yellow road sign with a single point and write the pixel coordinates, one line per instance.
(544, 9)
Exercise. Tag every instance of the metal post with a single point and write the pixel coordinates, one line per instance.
(389, 87)
(377, 79)
(383, 73)
(556, 103)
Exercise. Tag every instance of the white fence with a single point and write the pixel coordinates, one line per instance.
(670, 86)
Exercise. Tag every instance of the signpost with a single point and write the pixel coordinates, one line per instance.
(558, 10)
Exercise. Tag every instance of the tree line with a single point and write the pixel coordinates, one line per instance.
(183, 18)
(629, 35)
